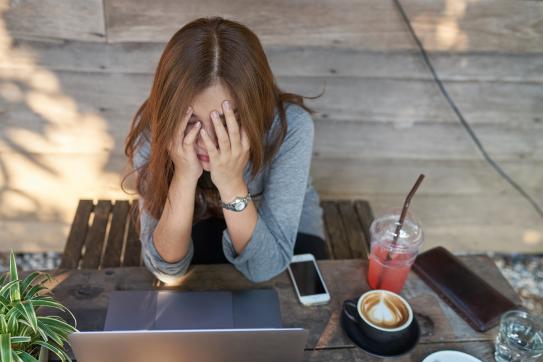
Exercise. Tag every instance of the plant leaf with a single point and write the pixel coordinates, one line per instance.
(47, 303)
(32, 291)
(5, 348)
(4, 303)
(60, 353)
(13, 322)
(58, 338)
(15, 293)
(26, 357)
(58, 323)
(5, 290)
(15, 357)
(20, 339)
(3, 324)
(28, 313)
(28, 280)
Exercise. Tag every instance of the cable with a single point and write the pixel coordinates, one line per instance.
(463, 121)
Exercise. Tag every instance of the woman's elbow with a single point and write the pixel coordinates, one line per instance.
(263, 273)
(170, 278)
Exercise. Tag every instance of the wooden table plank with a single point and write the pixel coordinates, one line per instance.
(86, 293)
(484, 350)
(115, 239)
(132, 253)
(77, 235)
(96, 235)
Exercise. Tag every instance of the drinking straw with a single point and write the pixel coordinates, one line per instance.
(400, 223)
(405, 207)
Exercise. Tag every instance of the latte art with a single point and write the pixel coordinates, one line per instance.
(384, 310)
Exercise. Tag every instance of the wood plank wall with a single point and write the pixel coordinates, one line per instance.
(73, 74)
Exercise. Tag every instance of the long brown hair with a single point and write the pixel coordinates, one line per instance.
(201, 53)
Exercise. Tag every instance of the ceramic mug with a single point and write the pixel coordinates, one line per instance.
(381, 315)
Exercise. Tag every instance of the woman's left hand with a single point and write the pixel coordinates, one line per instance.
(228, 162)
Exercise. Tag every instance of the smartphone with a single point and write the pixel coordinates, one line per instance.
(307, 280)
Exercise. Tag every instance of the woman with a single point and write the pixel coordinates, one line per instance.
(222, 159)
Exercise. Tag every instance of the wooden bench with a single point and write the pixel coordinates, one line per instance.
(103, 235)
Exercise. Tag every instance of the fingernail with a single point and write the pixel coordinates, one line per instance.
(215, 114)
(189, 110)
(226, 105)
(202, 131)
(198, 124)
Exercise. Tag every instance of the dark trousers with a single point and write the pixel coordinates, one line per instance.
(207, 241)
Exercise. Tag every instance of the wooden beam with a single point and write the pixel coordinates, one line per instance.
(48, 20)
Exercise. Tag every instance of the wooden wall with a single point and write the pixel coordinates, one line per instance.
(73, 74)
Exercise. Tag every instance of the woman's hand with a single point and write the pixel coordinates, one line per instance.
(228, 162)
(182, 150)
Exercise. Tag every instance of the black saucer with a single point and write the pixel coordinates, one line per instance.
(380, 349)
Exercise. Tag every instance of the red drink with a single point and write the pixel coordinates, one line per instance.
(388, 274)
(390, 261)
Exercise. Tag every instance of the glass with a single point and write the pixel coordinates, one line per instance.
(520, 337)
(390, 263)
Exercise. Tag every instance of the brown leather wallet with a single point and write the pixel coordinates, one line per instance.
(476, 301)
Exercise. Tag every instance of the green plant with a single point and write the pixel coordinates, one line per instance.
(22, 331)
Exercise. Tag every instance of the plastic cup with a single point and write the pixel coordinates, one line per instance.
(390, 261)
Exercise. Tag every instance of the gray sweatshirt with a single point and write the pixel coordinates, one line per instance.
(286, 204)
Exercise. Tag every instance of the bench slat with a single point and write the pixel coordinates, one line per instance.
(115, 240)
(365, 217)
(77, 235)
(335, 231)
(355, 236)
(346, 222)
(96, 236)
(132, 254)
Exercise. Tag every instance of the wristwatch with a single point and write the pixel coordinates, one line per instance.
(239, 203)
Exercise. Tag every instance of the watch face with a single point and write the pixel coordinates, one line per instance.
(240, 205)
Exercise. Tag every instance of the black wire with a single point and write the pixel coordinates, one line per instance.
(463, 121)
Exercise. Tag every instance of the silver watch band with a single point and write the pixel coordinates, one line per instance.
(238, 204)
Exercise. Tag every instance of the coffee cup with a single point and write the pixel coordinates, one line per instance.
(381, 315)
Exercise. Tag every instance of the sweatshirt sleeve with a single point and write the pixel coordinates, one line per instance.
(169, 273)
(270, 249)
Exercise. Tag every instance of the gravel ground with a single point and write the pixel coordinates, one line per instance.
(524, 272)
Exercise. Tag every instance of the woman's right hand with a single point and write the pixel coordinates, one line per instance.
(182, 150)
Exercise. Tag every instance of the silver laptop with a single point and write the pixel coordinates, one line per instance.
(190, 345)
(191, 326)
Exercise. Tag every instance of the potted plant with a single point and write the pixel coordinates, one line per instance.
(24, 335)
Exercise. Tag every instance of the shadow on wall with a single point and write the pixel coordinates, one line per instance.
(54, 150)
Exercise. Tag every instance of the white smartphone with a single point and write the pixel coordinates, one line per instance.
(307, 280)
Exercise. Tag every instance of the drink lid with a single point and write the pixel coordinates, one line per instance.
(383, 231)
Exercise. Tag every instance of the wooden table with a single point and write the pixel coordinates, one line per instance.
(86, 293)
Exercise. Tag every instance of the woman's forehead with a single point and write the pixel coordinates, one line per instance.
(208, 113)
(211, 99)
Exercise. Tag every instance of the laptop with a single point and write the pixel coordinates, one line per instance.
(191, 326)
